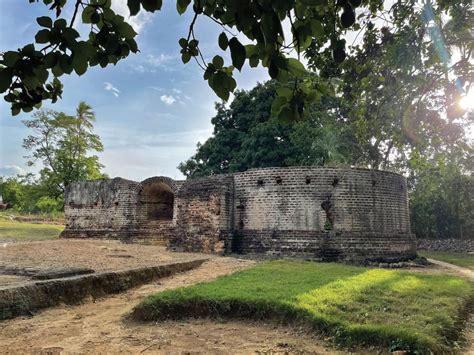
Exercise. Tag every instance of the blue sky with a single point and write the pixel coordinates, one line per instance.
(151, 109)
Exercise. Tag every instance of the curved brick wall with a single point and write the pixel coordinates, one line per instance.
(326, 213)
(310, 212)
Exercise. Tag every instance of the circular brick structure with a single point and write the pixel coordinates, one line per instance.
(309, 212)
(322, 213)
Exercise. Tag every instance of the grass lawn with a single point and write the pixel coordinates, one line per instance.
(460, 259)
(28, 231)
(356, 306)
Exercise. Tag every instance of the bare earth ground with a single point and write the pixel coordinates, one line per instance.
(100, 255)
(98, 326)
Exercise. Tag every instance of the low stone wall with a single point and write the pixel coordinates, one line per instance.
(23, 300)
(454, 245)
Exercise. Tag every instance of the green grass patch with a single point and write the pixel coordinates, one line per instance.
(460, 259)
(357, 306)
(28, 231)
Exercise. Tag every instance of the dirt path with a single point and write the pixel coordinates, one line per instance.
(98, 327)
(463, 271)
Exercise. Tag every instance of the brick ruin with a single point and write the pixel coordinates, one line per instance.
(308, 212)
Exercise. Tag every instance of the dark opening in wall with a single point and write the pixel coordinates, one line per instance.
(335, 182)
(308, 181)
(374, 182)
(260, 182)
(157, 200)
(326, 205)
(279, 180)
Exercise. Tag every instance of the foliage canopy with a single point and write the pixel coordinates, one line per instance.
(24, 73)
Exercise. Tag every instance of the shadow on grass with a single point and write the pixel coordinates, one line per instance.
(356, 306)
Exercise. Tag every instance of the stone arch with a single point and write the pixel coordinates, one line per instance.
(157, 198)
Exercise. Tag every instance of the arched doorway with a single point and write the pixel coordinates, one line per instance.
(157, 199)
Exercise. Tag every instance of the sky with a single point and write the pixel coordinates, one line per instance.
(151, 109)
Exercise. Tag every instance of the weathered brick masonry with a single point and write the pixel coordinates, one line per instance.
(311, 212)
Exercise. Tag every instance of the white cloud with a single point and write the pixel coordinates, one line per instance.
(150, 63)
(168, 99)
(158, 60)
(177, 91)
(138, 22)
(109, 87)
(11, 170)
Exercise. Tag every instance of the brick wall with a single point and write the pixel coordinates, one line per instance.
(101, 208)
(203, 214)
(313, 212)
(354, 213)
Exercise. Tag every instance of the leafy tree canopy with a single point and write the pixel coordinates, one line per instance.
(63, 143)
(60, 49)
(247, 136)
(401, 85)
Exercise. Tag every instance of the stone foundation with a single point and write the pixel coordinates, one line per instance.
(453, 245)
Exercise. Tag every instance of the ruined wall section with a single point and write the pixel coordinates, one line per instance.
(155, 230)
(203, 217)
(325, 213)
(101, 208)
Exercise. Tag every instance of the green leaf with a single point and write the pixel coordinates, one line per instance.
(237, 53)
(57, 71)
(28, 50)
(87, 14)
(317, 29)
(183, 42)
(42, 36)
(220, 84)
(223, 41)
(285, 92)
(182, 5)
(218, 61)
(133, 6)
(6, 76)
(295, 67)
(278, 103)
(152, 5)
(348, 17)
(126, 30)
(60, 23)
(10, 58)
(253, 61)
(15, 111)
(339, 55)
(50, 59)
(186, 57)
(44, 21)
(80, 66)
(65, 63)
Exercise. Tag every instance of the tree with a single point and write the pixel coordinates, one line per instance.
(441, 198)
(399, 86)
(62, 143)
(246, 136)
(24, 73)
